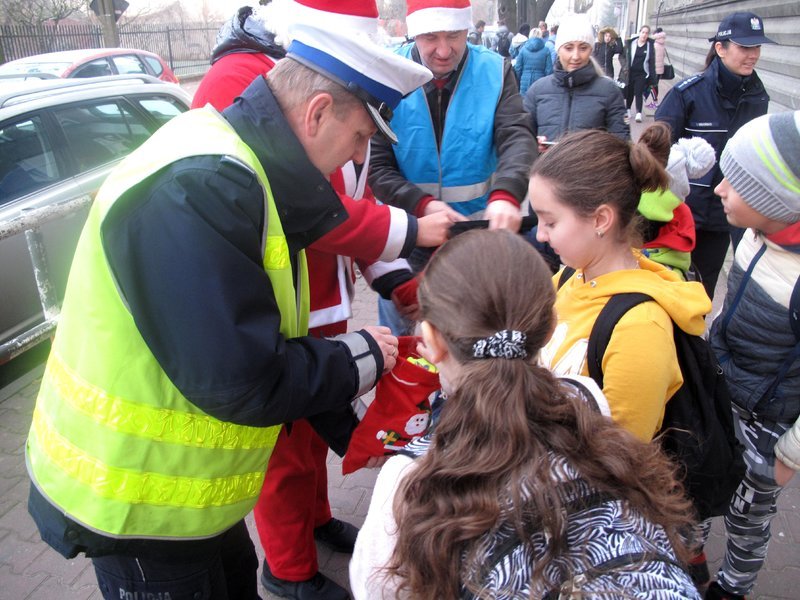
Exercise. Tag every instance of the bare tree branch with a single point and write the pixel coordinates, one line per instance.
(38, 12)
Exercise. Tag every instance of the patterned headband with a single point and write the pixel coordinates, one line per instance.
(507, 343)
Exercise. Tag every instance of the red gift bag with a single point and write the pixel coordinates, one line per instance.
(400, 411)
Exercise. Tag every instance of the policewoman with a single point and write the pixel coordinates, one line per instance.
(713, 105)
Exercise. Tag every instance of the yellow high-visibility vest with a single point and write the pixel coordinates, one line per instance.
(114, 444)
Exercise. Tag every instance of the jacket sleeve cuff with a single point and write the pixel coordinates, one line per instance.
(374, 271)
(503, 195)
(411, 237)
(385, 284)
(788, 447)
(367, 359)
(419, 209)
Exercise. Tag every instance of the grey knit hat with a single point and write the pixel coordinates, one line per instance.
(762, 163)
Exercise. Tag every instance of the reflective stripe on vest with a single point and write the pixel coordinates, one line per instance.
(461, 173)
(114, 444)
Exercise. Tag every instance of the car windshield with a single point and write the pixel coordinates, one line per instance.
(16, 68)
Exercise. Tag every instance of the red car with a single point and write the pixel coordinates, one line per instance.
(92, 62)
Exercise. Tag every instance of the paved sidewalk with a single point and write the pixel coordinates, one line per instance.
(30, 570)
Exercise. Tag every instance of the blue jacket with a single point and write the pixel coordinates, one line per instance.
(697, 106)
(533, 62)
(550, 44)
(460, 171)
(752, 337)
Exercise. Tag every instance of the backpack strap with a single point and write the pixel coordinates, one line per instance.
(566, 273)
(794, 310)
(603, 327)
(740, 292)
(572, 586)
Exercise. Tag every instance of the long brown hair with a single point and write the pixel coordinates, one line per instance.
(712, 52)
(616, 174)
(493, 448)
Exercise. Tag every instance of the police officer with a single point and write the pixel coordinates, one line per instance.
(183, 345)
(714, 104)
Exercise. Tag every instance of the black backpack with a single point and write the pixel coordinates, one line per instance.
(504, 44)
(697, 431)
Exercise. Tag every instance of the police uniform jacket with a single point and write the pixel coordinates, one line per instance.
(706, 105)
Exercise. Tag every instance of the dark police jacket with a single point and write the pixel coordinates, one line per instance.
(698, 106)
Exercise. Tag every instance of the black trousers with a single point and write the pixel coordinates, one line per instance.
(637, 86)
(709, 255)
(229, 573)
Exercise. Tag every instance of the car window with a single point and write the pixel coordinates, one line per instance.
(129, 63)
(155, 64)
(97, 68)
(100, 132)
(27, 162)
(162, 109)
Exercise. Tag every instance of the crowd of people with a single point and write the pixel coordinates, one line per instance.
(203, 340)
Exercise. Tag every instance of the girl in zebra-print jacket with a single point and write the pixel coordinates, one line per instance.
(523, 491)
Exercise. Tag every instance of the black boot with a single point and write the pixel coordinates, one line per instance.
(337, 535)
(318, 587)
(716, 592)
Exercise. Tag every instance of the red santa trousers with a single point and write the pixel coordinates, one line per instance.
(294, 498)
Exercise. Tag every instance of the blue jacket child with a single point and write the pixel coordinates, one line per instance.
(755, 337)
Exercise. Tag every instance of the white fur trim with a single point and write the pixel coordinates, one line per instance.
(398, 232)
(343, 310)
(429, 20)
(379, 268)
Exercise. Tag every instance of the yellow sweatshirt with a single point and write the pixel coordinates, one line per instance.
(640, 367)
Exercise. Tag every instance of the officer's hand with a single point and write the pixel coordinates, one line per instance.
(435, 206)
(387, 343)
(503, 215)
(432, 229)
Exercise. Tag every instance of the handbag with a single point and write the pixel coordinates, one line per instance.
(400, 411)
(669, 70)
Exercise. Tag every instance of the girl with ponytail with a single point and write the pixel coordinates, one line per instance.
(587, 212)
(524, 489)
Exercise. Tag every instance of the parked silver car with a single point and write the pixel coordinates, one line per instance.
(59, 139)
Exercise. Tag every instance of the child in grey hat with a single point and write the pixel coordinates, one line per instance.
(757, 335)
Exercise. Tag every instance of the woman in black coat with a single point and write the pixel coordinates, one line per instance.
(608, 45)
(641, 54)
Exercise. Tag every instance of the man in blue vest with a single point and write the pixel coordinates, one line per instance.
(183, 345)
(465, 143)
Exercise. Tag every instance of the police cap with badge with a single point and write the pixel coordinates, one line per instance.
(742, 28)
